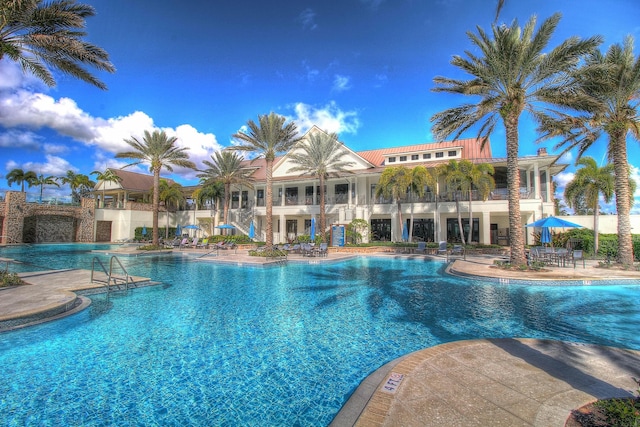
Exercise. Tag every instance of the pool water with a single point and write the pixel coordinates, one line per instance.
(268, 346)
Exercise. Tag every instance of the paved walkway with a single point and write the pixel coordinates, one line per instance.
(510, 382)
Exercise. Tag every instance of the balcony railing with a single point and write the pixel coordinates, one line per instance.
(429, 197)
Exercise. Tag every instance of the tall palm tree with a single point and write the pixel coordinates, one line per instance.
(172, 196)
(80, 184)
(107, 176)
(38, 34)
(21, 177)
(612, 83)
(321, 156)
(212, 192)
(159, 151)
(42, 180)
(513, 75)
(589, 183)
(456, 182)
(394, 183)
(421, 178)
(269, 137)
(226, 167)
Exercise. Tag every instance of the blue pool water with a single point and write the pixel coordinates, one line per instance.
(253, 346)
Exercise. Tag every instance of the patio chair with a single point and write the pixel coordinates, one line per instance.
(183, 243)
(458, 250)
(204, 244)
(442, 247)
(422, 247)
(323, 250)
(576, 256)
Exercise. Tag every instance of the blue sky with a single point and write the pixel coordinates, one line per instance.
(361, 68)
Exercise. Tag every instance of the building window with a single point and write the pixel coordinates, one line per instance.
(260, 197)
(426, 156)
(291, 195)
(342, 193)
(235, 199)
(392, 159)
(245, 200)
(439, 154)
(403, 158)
(453, 153)
(308, 195)
(415, 157)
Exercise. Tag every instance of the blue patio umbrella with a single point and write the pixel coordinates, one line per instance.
(191, 227)
(405, 233)
(144, 230)
(252, 231)
(225, 226)
(312, 231)
(552, 221)
(178, 230)
(545, 235)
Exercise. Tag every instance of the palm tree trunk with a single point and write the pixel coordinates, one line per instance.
(459, 218)
(470, 217)
(596, 237)
(399, 203)
(323, 217)
(156, 203)
(621, 168)
(516, 235)
(227, 200)
(269, 204)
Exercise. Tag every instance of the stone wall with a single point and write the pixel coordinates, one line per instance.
(24, 222)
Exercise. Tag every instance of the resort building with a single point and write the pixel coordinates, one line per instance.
(123, 206)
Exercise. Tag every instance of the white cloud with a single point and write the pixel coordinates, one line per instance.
(26, 140)
(341, 83)
(12, 77)
(20, 109)
(307, 18)
(329, 118)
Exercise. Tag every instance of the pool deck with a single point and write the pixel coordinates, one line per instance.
(501, 382)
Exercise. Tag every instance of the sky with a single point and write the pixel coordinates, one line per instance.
(201, 69)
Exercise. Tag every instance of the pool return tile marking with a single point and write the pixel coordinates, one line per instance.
(392, 383)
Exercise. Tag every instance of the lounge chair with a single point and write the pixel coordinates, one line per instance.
(422, 247)
(204, 244)
(442, 248)
(458, 250)
(183, 243)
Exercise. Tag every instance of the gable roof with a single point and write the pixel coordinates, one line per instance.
(131, 181)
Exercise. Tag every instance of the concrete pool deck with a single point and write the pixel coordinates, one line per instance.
(509, 382)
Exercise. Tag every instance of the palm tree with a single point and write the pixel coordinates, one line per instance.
(612, 83)
(226, 167)
(79, 183)
(394, 183)
(513, 75)
(420, 179)
(172, 196)
(456, 181)
(42, 180)
(589, 183)
(38, 35)
(159, 151)
(107, 176)
(269, 137)
(212, 192)
(19, 176)
(321, 157)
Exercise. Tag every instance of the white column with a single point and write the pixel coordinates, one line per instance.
(485, 228)
(536, 181)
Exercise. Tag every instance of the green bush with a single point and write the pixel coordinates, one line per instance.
(9, 279)
(622, 412)
(268, 253)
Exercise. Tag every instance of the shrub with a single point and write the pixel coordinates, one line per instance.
(9, 279)
(622, 412)
(268, 253)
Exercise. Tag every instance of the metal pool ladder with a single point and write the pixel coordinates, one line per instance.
(118, 280)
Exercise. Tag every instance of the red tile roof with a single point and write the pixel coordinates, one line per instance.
(471, 150)
(134, 181)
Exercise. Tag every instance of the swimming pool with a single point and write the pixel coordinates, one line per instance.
(225, 345)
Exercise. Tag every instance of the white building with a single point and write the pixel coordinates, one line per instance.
(349, 196)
